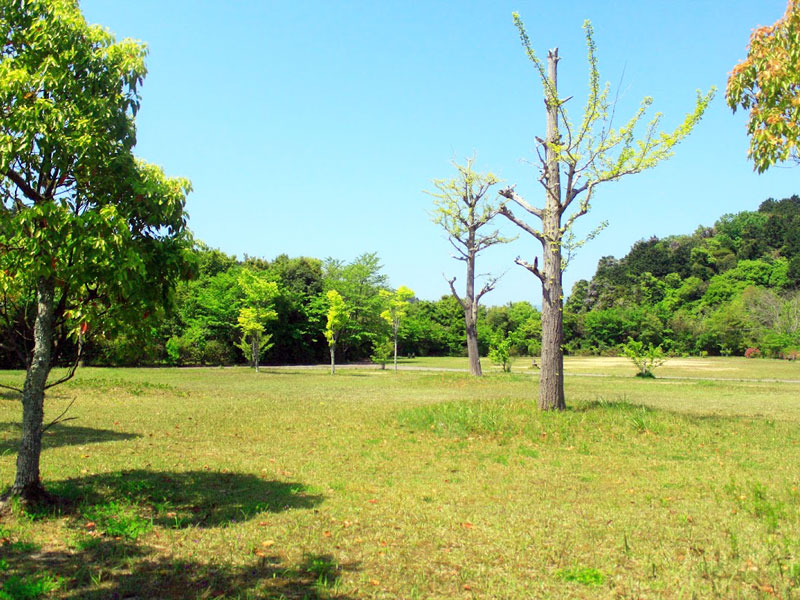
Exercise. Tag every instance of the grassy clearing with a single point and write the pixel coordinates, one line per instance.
(712, 367)
(207, 483)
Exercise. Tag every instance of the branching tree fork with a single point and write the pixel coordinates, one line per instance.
(462, 209)
(592, 153)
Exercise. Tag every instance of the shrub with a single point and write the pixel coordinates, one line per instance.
(500, 353)
(645, 358)
(752, 353)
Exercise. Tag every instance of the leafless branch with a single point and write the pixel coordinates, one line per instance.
(10, 387)
(71, 373)
(511, 194)
(522, 224)
(59, 418)
(533, 268)
(453, 290)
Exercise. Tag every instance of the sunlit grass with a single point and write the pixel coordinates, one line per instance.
(369, 484)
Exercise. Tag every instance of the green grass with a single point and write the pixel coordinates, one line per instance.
(221, 483)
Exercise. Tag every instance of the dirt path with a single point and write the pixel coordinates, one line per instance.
(372, 366)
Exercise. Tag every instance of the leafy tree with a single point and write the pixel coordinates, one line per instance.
(91, 238)
(462, 209)
(765, 83)
(359, 283)
(207, 309)
(397, 306)
(259, 296)
(382, 351)
(338, 317)
(254, 341)
(589, 154)
(500, 352)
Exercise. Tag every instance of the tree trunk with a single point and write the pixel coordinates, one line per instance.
(551, 384)
(254, 345)
(27, 483)
(471, 315)
(395, 345)
(333, 358)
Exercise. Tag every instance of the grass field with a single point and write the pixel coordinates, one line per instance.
(224, 483)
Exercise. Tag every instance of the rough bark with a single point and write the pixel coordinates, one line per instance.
(27, 483)
(470, 305)
(551, 386)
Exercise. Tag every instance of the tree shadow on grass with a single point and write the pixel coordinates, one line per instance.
(189, 498)
(112, 568)
(63, 435)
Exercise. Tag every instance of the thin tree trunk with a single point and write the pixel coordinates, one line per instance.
(551, 385)
(27, 483)
(333, 358)
(254, 344)
(471, 316)
(395, 346)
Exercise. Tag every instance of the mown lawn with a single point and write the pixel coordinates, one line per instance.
(224, 483)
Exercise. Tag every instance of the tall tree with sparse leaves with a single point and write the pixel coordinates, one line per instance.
(463, 209)
(586, 155)
(767, 83)
(90, 237)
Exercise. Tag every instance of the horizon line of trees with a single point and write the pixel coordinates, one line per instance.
(717, 291)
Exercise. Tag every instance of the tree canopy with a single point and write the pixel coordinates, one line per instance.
(767, 83)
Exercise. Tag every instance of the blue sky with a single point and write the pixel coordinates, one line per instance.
(313, 128)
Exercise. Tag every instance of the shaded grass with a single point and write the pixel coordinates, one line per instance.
(415, 485)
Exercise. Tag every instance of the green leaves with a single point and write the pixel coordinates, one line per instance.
(337, 317)
(765, 83)
(75, 205)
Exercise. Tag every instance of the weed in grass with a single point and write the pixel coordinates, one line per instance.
(771, 511)
(117, 519)
(587, 576)
(323, 568)
(461, 419)
(640, 421)
(528, 452)
(28, 588)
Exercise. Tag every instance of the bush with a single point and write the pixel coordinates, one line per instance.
(752, 353)
(644, 358)
(217, 353)
(500, 353)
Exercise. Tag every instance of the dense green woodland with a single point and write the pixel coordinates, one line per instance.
(720, 290)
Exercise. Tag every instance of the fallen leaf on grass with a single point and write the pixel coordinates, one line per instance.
(467, 525)
(268, 543)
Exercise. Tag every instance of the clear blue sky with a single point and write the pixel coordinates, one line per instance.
(312, 128)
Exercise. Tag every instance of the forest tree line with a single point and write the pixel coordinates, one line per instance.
(717, 291)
